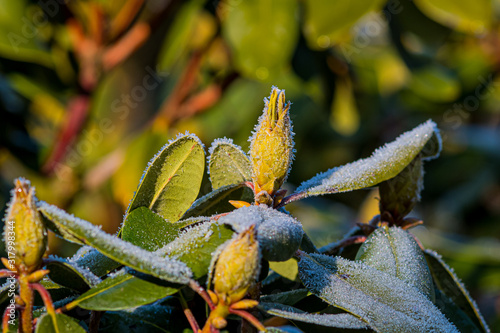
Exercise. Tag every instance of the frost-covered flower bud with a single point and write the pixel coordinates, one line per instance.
(24, 232)
(237, 267)
(271, 147)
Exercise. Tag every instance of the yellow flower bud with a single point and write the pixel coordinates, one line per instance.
(271, 147)
(24, 231)
(237, 267)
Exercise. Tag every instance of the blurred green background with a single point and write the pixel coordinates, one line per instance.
(90, 90)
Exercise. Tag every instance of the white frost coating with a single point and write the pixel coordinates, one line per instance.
(385, 302)
(121, 251)
(279, 234)
(89, 277)
(222, 141)
(150, 163)
(386, 162)
(259, 125)
(341, 320)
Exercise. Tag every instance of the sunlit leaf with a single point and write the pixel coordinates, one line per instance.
(466, 16)
(385, 163)
(344, 117)
(272, 25)
(171, 181)
(449, 284)
(113, 247)
(435, 84)
(395, 252)
(384, 302)
(227, 164)
(326, 22)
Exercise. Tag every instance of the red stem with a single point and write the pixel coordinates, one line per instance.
(248, 317)
(200, 291)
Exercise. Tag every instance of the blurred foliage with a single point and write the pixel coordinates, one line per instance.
(90, 90)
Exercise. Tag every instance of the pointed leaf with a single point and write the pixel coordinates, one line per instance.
(148, 230)
(227, 164)
(279, 234)
(341, 320)
(449, 284)
(286, 297)
(217, 201)
(94, 260)
(384, 302)
(70, 275)
(458, 317)
(395, 252)
(122, 291)
(64, 324)
(115, 248)
(385, 163)
(172, 180)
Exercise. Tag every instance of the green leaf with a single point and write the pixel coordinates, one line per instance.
(385, 163)
(341, 320)
(395, 252)
(94, 260)
(466, 16)
(113, 247)
(194, 246)
(227, 164)
(384, 302)
(287, 269)
(272, 25)
(70, 275)
(148, 230)
(435, 83)
(122, 291)
(64, 324)
(286, 297)
(327, 22)
(279, 234)
(217, 201)
(449, 284)
(454, 313)
(172, 180)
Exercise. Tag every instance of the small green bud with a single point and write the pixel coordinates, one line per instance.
(271, 147)
(237, 267)
(24, 232)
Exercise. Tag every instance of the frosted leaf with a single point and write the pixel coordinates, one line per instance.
(117, 249)
(384, 302)
(172, 179)
(227, 164)
(386, 162)
(286, 297)
(341, 320)
(450, 285)
(69, 274)
(395, 252)
(279, 234)
(217, 201)
(94, 260)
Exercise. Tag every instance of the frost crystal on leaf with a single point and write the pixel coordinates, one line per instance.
(385, 163)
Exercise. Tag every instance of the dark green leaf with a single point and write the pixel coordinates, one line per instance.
(342, 320)
(395, 252)
(113, 247)
(454, 313)
(148, 230)
(94, 260)
(70, 275)
(227, 164)
(64, 324)
(384, 302)
(171, 181)
(449, 284)
(286, 297)
(217, 201)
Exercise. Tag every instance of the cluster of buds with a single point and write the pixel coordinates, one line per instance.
(25, 239)
(271, 149)
(236, 270)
